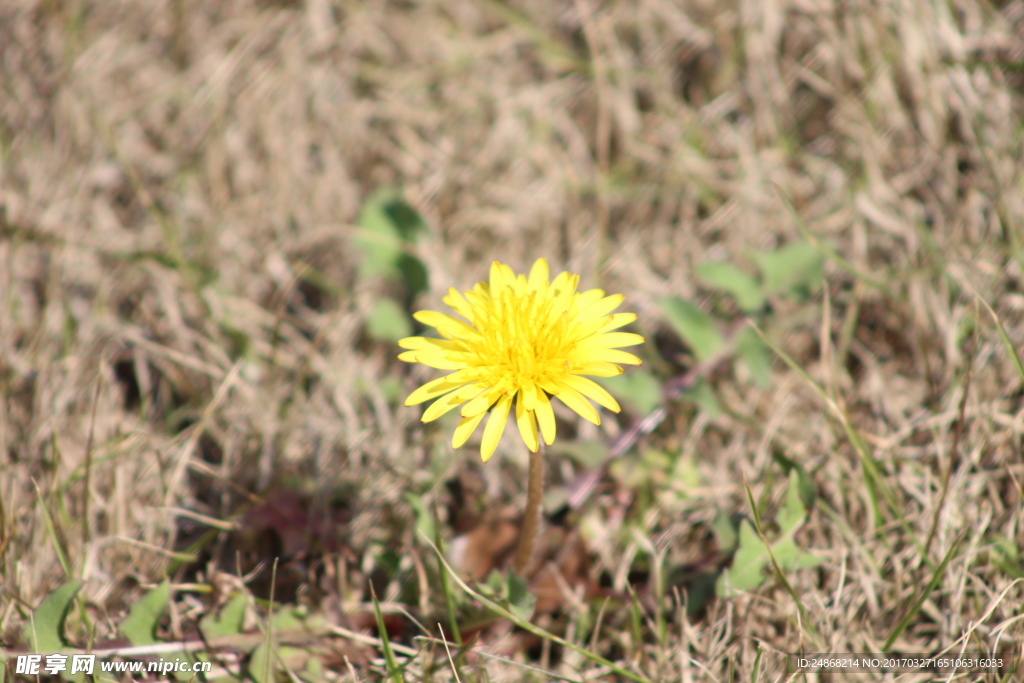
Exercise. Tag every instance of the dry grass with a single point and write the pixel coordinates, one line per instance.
(181, 319)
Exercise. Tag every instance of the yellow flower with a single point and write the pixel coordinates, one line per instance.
(525, 338)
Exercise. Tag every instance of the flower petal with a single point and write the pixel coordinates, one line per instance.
(510, 275)
(602, 307)
(465, 429)
(545, 416)
(582, 331)
(527, 422)
(604, 355)
(529, 393)
(440, 407)
(437, 387)
(501, 277)
(459, 303)
(615, 321)
(578, 404)
(441, 361)
(446, 324)
(592, 390)
(495, 427)
(610, 340)
(481, 403)
(421, 343)
(564, 286)
(539, 274)
(588, 299)
(596, 369)
(446, 403)
(495, 280)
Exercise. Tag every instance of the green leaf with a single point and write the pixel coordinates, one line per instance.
(752, 555)
(239, 342)
(78, 676)
(638, 389)
(184, 657)
(587, 453)
(520, 601)
(391, 387)
(651, 471)
(270, 656)
(555, 499)
(701, 394)
(510, 591)
(735, 282)
(388, 321)
(315, 670)
(755, 355)
(228, 622)
(387, 227)
(267, 656)
(700, 587)
(793, 513)
(424, 519)
(292, 620)
(685, 475)
(140, 626)
(45, 630)
(262, 663)
(1006, 555)
(724, 527)
(693, 325)
(747, 566)
(795, 268)
(494, 584)
(414, 273)
(262, 668)
(805, 483)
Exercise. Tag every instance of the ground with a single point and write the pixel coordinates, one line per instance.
(217, 217)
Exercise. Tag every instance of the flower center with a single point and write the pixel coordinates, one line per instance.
(524, 338)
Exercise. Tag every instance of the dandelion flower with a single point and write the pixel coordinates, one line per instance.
(524, 341)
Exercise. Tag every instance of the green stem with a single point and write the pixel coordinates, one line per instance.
(531, 521)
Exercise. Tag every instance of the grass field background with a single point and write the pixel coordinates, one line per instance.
(198, 375)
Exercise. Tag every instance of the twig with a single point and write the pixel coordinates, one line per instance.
(581, 488)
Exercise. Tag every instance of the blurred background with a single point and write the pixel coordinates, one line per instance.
(216, 218)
